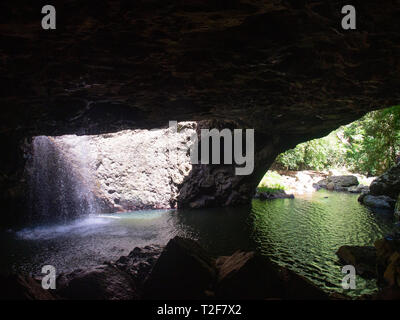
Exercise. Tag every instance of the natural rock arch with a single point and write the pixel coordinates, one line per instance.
(287, 70)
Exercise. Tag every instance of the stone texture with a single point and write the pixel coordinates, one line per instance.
(363, 258)
(183, 271)
(338, 183)
(384, 190)
(384, 202)
(104, 282)
(388, 183)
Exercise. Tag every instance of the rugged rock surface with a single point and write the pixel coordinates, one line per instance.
(105, 282)
(127, 170)
(20, 287)
(363, 258)
(288, 71)
(138, 263)
(338, 183)
(280, 194)
(384, 190)
(183, 271)
(387, 184)
(383, 202)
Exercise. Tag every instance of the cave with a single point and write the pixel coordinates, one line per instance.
(122, 70)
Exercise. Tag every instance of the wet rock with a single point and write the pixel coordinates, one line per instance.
(281, 194)
(139, 262)
(21, 287)
(184, 270)
(388, 183)
(384, 202)
(247, 275)
(363, 258)
(104, 282)
(358, 189)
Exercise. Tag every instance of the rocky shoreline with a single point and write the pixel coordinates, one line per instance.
(308, 181)
(182, 270)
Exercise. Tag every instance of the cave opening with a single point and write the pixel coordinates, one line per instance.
(329, 194)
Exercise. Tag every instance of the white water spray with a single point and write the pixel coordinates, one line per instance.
(60, 179)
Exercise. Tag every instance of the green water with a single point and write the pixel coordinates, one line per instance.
(302, 234)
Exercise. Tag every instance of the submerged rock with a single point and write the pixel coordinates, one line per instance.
(363, 258)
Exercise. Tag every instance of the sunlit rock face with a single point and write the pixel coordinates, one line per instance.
(127, 170)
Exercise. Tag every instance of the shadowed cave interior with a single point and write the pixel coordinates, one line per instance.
(88, 165)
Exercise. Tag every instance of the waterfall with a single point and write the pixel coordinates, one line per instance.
(61, 186)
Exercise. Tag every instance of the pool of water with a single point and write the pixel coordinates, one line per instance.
(302, 234)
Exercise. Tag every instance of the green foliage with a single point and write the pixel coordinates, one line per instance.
(316, 154)
(270, 190)
(271, 182)
(369, 146)
(374, 141)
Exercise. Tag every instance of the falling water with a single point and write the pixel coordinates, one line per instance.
(61, 184)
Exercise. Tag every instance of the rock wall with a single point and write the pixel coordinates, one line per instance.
(127, 170)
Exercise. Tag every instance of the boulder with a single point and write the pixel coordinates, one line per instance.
(104, 282)
(363, 258)
(139, 262)
(184, 270)
(281, 194)
(338, 183)
(388, 183)
(20, 287)
(247, 275)
(358, 189)
(384, 202)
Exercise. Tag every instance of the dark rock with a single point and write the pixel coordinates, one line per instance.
(338, 183)
(384, 202)
(358, 189)
(363, 258)
(104, 282)
(387, 184)
(247, 275)
(291, 73)
(275, 195)
(139, 262)
(20, 287)
(184, 270)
